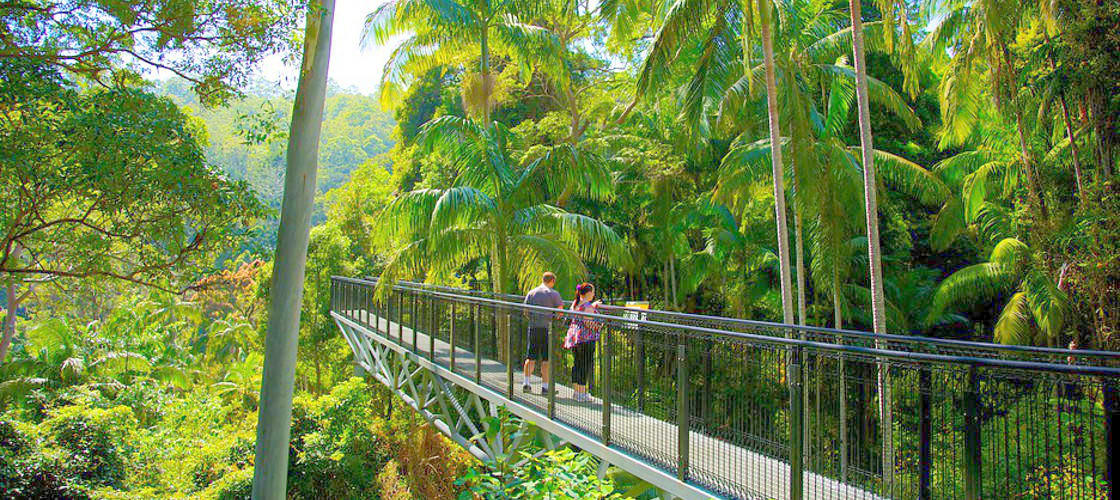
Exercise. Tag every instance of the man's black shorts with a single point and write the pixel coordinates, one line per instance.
(538, 344)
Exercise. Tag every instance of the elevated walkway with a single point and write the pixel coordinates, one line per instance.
(776, 418)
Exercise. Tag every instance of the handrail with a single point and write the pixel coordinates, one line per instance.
(1095, 356)
(774, 340)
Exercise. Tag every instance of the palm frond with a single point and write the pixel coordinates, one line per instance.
(115, 363)
(683, 20)
(971, 285)
(948, 224)
(409, 214)
(1016, 325)
(880, 93)
(462, 206)
(909, 177)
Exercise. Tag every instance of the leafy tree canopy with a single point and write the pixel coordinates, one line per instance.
(213, 43)
(107, 183)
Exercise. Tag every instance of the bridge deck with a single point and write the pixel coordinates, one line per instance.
(716, 464)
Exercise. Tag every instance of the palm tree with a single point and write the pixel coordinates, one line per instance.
(494, 211)
(829, 179)
(1037, 309)
(443, 33)
(686, 24)
(979, 33)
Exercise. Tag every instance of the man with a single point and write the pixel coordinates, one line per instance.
(542, 296)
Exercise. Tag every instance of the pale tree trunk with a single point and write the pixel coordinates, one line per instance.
(278, 383)
(878, 314)
(776, 163)
(799, 255)
(779, 174)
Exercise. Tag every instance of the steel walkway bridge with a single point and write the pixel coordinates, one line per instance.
(688, 406)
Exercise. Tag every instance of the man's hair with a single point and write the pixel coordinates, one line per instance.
(548, 277)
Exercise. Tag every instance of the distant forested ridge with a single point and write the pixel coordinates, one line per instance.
(247, 138)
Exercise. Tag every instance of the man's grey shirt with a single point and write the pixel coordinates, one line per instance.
(542, 296)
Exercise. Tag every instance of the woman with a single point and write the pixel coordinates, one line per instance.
(581, 338)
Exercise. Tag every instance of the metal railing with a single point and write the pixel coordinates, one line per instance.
(908, 343)
(753, 409)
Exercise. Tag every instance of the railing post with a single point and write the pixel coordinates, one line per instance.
(366, 303)
(405, 304)
(552, 365)
(796, 427)
(451, 335)
(475, 316)
(414, 319)
(972, 451)
(640, 347)
(706, 401)
(433, 327)
(350, 300)
(605, 368)
(924, 434)
(508, 330)
(682, 411)
(1111, 408)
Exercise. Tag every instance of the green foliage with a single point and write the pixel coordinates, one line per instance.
(561, 474)
(144, 206)
(213, 43)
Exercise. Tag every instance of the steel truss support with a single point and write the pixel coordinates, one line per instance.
(464, 416)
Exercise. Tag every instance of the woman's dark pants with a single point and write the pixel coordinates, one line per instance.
(584, 354)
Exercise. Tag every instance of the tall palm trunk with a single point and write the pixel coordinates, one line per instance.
(799, 256)
(484, 70)
(501, 268)
(278, 382)
(776, 163)
(878, 314)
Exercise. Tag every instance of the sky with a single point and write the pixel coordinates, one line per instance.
(350, 65)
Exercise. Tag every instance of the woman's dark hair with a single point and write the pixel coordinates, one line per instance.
(581, 289)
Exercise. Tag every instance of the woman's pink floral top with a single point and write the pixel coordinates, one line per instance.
(583, 329)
